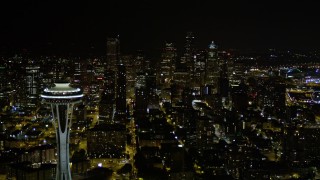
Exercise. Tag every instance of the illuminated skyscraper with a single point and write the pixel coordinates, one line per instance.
(145, 91)
(112, 53)
(223, 86)
(199, 68)
(167, 64)
(62, 97)
(188, 58)
(3, 76)
(78, 73)
(32, 86)
(121, 105)
(189, 49)
(140, 62)
(212, 67)
(107, 103)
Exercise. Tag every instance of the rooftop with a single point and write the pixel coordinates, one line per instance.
(61, 87)
(62, 91)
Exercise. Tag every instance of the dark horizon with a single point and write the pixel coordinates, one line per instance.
(82, 27)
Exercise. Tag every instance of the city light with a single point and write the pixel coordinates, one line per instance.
(86, 94)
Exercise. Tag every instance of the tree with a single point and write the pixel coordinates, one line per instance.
(99, 173)
(79, 156)
(127, 168)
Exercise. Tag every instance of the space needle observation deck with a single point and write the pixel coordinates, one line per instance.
(62, 98)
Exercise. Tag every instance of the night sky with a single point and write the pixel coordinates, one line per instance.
(82, 26)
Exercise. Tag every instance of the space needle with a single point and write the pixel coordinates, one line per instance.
(62, 97)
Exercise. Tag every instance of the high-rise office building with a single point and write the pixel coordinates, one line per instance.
(212, 67)
(141, 102)
(240, 97)
(62, 98)
(181, 80)
(62, 68)
(112, 53)
(145, 91)
(32, 84)
(223, 86)
(107, 102)
(199, 69)
(140, 63)
(121, 105)
(121, 92)
(189, 49)
(167, 65)
(188, 58)
(78, 73)
(5, 91)
(237, 73)
(3, 76)
(128, 61)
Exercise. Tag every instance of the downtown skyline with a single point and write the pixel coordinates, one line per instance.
(82, 27)
(169, 90)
